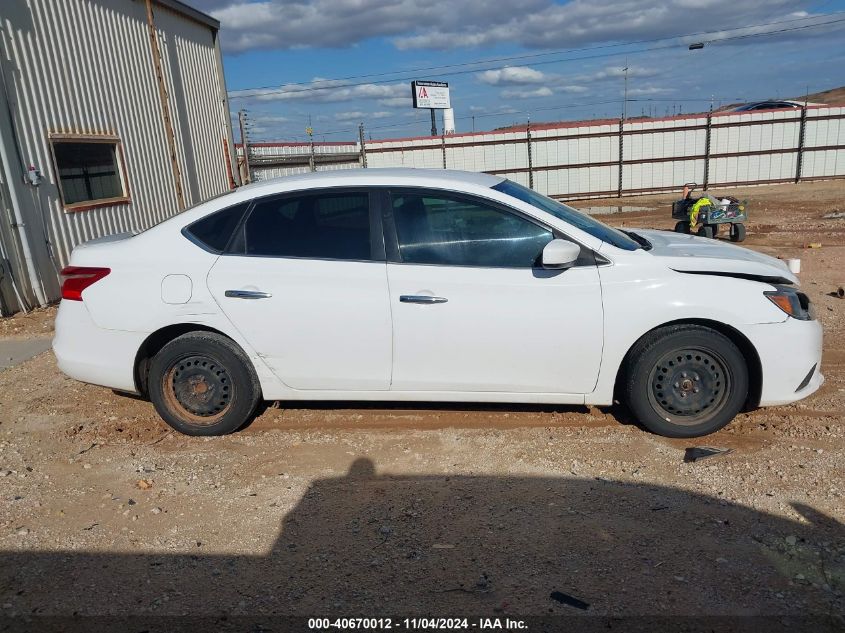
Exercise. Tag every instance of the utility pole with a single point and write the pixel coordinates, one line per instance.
(625, 95)
(244, 145)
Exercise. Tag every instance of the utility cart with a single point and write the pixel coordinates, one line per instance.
(703, 214)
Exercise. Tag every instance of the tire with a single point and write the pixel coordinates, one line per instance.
(737, 232)
(715, 228)
(706, 231)
(709, 363)
(201, 383)
(682, 227)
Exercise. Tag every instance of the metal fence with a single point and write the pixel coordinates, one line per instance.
(603, 158)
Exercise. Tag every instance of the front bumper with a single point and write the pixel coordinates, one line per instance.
(93, 354)
(787, 351)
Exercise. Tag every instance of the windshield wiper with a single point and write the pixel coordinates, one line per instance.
(639, 239)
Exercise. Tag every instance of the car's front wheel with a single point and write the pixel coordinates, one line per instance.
(201, 383)
(685, 381)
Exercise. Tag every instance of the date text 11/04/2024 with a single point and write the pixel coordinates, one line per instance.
(504, 624)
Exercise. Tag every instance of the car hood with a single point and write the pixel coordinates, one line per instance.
(689, 253)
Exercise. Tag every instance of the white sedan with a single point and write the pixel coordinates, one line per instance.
(424, 285)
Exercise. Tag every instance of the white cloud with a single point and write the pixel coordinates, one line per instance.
(512, 76)
(618, 72)
(582, 22)
(572, 89)
(449, 24)
(396, 102)
(527, 94)
(327, 91)
(361, 116)
(646, 91)
(543, 91)
(286, 24)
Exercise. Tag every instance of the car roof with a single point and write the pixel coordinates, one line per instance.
(374, 177)
(773, 102)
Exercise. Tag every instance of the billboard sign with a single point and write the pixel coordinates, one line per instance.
(431, 94)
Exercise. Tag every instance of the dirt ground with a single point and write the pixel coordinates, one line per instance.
(434, 510)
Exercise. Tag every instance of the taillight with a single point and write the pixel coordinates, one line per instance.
(75, 279)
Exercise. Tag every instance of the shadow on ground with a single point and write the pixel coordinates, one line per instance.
(367, 544)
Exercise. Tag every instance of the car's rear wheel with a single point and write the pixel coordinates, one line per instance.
(201, 383)
(685, 381)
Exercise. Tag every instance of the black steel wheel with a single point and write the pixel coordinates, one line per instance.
(685, 380)
(687, 385)
(202, 383)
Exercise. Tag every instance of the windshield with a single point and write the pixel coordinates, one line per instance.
(569, 215)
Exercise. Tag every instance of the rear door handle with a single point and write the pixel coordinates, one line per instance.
(247, 294)
(421, 299)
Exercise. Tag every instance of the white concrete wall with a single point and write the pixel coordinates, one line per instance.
(581, 160)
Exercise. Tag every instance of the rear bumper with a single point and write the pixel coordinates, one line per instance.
(92, 354)
(788, 351)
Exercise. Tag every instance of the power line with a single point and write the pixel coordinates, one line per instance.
(335, 84)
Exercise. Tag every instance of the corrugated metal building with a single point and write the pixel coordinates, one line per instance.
(120, 107)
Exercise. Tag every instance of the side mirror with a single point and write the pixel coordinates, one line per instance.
(560, 254)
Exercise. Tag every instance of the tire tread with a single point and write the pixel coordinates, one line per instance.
(202, 340)
(632, 374)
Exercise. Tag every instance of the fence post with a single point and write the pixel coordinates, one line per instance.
(530, 157)
(443, 147)
(621, 148)
(801, 128)
(363, 148)
(707, 150)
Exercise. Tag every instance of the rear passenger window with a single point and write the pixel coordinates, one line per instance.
(320, 226)
(214, 231)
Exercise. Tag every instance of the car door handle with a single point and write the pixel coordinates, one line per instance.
(421, 299)
(247, 294)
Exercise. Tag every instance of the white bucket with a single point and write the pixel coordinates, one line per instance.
(794, 265)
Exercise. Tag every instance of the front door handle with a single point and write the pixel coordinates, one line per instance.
(421, 299)
(247, 294)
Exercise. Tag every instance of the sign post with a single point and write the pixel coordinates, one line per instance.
(433, 95)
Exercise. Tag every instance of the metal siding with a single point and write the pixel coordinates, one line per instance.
(85, 67)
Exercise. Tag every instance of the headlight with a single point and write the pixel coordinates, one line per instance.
(795, 303)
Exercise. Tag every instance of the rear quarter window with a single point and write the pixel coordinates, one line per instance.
(214, 231)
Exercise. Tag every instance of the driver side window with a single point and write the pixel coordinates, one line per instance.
(452, 230)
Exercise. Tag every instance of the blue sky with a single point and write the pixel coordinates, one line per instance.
(280, 54)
